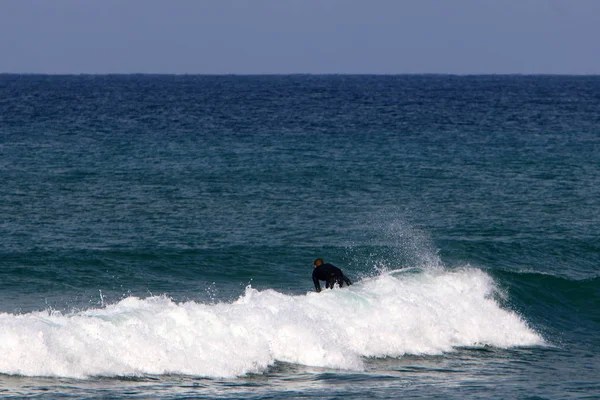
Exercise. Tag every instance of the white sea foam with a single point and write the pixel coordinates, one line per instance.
(397, 313)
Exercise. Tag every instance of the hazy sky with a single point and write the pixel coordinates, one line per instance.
(300, 36)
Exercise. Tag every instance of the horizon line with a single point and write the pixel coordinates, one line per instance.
(294, 74)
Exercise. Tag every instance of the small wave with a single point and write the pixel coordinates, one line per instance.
(393, 314)
(555, 301)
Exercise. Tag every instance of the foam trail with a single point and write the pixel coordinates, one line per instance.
(423, 312)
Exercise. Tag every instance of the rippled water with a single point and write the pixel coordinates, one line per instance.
(158, 234)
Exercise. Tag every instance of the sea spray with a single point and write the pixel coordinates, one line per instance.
(390, 315)
(392, 242)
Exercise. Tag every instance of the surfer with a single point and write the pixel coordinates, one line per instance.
(328, 273)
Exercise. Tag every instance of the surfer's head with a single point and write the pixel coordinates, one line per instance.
(317, 262)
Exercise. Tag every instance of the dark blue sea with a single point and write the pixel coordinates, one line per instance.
(157, 235)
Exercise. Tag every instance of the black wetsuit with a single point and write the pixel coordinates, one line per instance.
(331, 275)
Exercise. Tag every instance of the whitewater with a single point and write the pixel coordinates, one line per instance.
(411, 311)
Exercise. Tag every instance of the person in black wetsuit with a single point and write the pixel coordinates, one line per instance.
(328, 273)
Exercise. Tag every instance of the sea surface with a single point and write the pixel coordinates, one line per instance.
(157, 235)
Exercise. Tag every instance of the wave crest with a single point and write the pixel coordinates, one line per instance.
(393, 314)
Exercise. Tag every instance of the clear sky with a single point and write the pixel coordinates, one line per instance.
(300, 36)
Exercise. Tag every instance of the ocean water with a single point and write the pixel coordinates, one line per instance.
(158, 233)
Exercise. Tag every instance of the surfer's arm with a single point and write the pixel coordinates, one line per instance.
(317, 284)
(348, 282)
